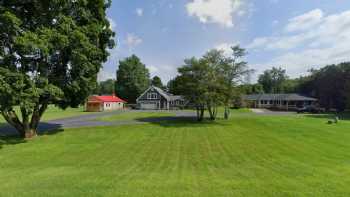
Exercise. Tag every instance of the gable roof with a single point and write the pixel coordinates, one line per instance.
(107, 98)
(282, 97)
(162, 92)
(166, 95)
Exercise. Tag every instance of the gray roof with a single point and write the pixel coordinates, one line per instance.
(166, 95)
(162, 92)
(280, 97)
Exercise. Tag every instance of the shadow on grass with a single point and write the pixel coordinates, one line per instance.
(9, 135)
(342, 116)
(178, 122)
(11, 140)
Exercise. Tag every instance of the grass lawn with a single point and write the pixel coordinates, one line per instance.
(246, 156)
(55, 113)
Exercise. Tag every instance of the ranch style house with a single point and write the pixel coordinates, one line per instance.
(104, 103)
(279, 101)
(155, 98)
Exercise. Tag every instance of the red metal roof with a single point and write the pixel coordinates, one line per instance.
(106, 99)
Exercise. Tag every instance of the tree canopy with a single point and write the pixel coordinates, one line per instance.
(133, 79)
(50, 53)
(331, 85)
(105, 87)
(273, 80)
(211, 81)
(156, 81)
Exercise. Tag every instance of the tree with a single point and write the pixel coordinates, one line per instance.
(330, 85)
(50, 53)
(233, 69)
(106, 87)
(251, 88)
(175, 86)
(272, 80)
(156, 81)
(193, 76)
(211, 81)
(133, 79)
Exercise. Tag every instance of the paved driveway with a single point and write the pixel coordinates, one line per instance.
(272, 113)
(90, 121)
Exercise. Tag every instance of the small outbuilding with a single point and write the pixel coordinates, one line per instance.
(104, 103)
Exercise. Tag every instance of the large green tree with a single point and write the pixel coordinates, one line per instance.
(234, 70)
(133, 79)
(272, 80)
(175, 86)
(50, 53)
(212, 80)
(157, 81)
(105, 87)
(193, 77)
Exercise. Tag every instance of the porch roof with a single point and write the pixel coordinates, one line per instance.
(277, 97)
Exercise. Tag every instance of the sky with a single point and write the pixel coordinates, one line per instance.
(295, 35)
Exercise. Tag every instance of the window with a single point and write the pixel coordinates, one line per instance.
(152, 96)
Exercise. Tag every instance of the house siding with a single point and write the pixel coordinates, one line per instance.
(152, 98)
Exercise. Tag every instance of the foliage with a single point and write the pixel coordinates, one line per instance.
(272, 80)
(132, 79)
(156, 81)
(251, 88)
(330, 85)
(211, 81)
(105, 87)
(50, 53)
(175, 86)
(194, 75)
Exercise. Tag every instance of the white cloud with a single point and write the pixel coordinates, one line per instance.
(112, 24)
(316, 41)
(139, 12)
(103, 75)
(216, 11)
(132, 41)
(305, 21)
(226, 48)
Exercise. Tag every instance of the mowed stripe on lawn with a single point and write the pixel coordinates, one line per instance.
(247, 156)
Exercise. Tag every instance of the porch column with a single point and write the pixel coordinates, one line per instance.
(287, 105)
(281, 104)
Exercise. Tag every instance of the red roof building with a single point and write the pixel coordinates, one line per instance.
(104, 103)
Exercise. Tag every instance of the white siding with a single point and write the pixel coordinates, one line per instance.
(113, 106)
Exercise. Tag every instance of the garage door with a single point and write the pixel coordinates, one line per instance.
(148, 105)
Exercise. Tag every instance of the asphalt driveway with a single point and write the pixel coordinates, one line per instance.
(90, 120)
(271, 113)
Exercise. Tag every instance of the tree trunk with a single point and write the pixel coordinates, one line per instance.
(200, 113)
(212, 109)
(26, 128)
(227, 113)
(11, 117)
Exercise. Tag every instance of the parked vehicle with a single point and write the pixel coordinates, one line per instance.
(310, 109)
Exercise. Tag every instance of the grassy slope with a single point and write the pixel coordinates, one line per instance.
(247, 156)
